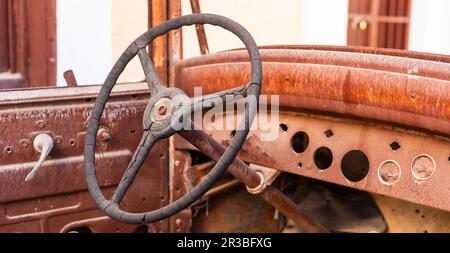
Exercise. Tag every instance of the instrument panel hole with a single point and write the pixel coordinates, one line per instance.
(300, 142)
(355, 165)
(395, 146)
(9, 150)
(299, 165)
(323, 158)
(232, 134)
(328, 133)
(284, 127)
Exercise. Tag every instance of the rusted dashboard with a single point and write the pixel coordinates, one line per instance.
(373, 120)
(369, 119)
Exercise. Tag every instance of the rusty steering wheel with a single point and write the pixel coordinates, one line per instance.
(168, 105)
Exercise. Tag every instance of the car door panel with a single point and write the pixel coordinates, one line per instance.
(56, 199)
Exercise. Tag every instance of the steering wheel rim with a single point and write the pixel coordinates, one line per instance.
(152, 135)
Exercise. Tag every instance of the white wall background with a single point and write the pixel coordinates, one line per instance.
(324, 22)
(84, 40)
(93, 34)
(272, 22)
(430, 26)
(129, 21)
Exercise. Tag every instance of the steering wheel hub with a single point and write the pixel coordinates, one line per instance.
(161, 110)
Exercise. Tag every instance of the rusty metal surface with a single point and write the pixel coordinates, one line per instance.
(368, 50)
(369, 99)
(180, 222)
(236, 211)
(56, 200)
(225, 202)
(407, 89)
(184, 177)
(405, 217)
(250, 178)
(373, 139)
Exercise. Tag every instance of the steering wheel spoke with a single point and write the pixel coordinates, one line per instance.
(210, 100)
(151, 76)
(136, 162)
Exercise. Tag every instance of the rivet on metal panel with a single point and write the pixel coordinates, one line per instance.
(178, 223)
(9, 150)
(24, 143)
(73, 142)
(40, 123)
(58, 139)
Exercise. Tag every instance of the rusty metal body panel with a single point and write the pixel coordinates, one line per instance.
(56, 200)
(368, 99)
(408, 91)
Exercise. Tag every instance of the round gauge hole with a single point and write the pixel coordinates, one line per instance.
(395, 146)
(355, 165)
(423, 167)
(284, 127)
(328, 133)
(300, 142)
(323, 158)
(389, 172)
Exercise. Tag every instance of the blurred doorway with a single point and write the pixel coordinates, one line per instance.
(379, 23)
(27, 43)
